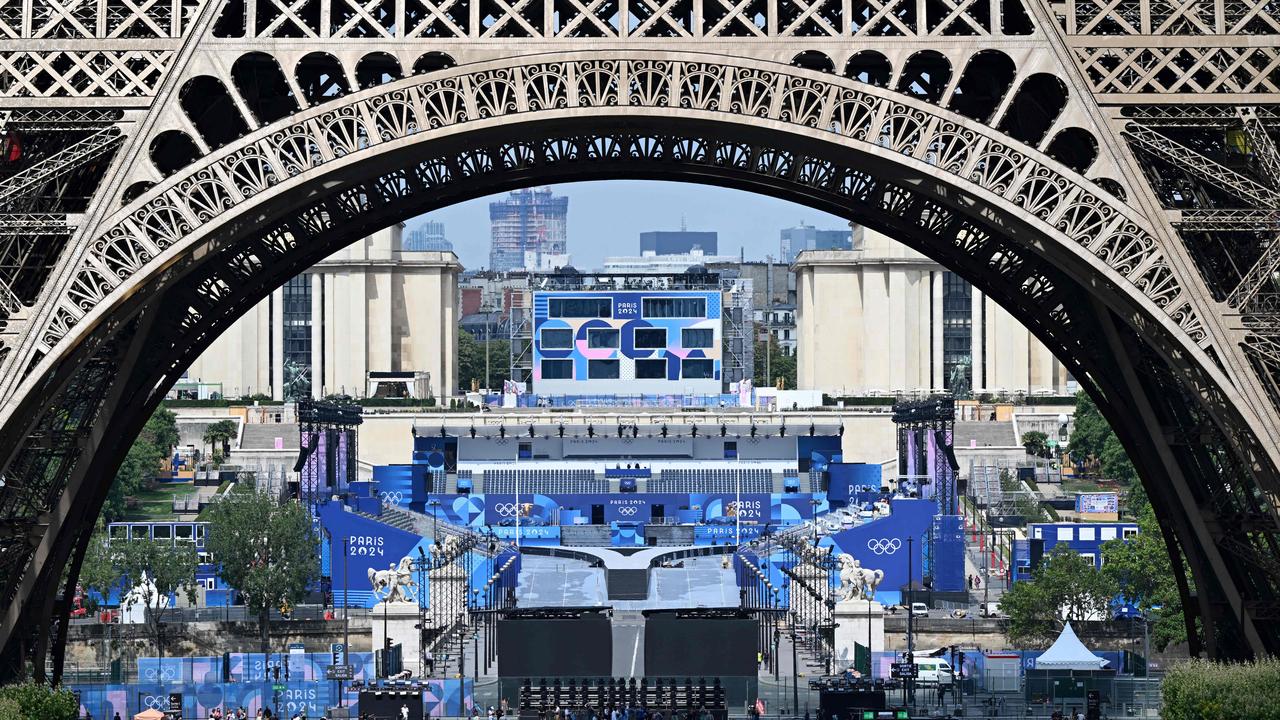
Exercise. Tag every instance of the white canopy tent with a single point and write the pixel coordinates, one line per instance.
(1068, 653)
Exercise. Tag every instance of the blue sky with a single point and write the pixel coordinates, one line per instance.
(607, 217)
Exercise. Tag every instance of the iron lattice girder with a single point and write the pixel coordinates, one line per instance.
(1261, 274)
(25, 182)
(1261, 145)
(1247, 189)
(1264, 220)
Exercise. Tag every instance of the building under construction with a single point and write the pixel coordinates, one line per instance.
(529, 231)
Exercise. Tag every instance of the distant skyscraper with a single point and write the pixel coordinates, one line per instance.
(677, 242)
(527, 228)
(806, 237)
(427, 237)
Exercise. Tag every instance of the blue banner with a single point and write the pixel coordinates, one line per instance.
(442, 698)
(882, 544)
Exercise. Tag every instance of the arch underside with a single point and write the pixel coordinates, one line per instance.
(1204, 469)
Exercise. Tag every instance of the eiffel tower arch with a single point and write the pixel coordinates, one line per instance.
(1105, 169)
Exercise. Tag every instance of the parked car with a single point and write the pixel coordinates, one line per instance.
(919, 609)
(933, 671)
(990, 610)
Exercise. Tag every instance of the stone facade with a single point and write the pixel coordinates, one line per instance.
(371, 307)
(872, 320)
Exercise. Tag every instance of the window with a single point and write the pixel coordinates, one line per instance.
(697, 338)
(1064, 533)
(557, 339)
(579, 307)
(1093, 560)
(162, 532)
(697, 369)
(1088, 533)
(650, 338)
(1038, 534)
(675, 307)
(602, 338)
(602, 369)
(557, 369)
(1108, 533)
(651, 369)
(1130, 532)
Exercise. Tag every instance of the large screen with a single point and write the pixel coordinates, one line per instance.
(546, 648)
(699, 647)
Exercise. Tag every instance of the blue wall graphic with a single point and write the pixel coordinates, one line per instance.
(443, 698)
(882, 544)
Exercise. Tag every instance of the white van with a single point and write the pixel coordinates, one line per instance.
(933, 671)
(919, 609)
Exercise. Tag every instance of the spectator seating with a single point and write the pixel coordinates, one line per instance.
(713, 480)
(544, 481)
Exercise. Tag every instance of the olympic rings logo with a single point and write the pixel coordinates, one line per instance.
(884, 546)
(506, 509)
(628, 510)
(154, 702)
(393, 497)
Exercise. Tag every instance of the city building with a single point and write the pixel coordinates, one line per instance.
(796, 240)
(664, 264)
(678, 242)
(771, 282)
(371, 319)
(529, 230)
(427, 237)
(779, 322)
(885, 318)
(1085, 539)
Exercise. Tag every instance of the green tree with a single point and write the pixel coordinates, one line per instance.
(1115, 462)
(1065, 588)
(781, 365)
(36, 701)
(142, 462)
(265, 550)
(1036, 443)
(1089, 430)
(217, 436)
(156, 570)
(1140, 568)
(471, 362)
(100, 569)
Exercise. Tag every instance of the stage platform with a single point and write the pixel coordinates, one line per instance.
(592, 577)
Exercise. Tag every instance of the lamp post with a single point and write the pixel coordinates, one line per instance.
(435, 523)
(346, 623)
(911, 647)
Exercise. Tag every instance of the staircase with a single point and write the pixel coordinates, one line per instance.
(262, 436)
(984, 434)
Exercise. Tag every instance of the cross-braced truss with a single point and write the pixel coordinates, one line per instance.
(1106, 169)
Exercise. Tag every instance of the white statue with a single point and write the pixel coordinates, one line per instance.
(850, 577)
(857, 582)
(871, 580)
(394, 583)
